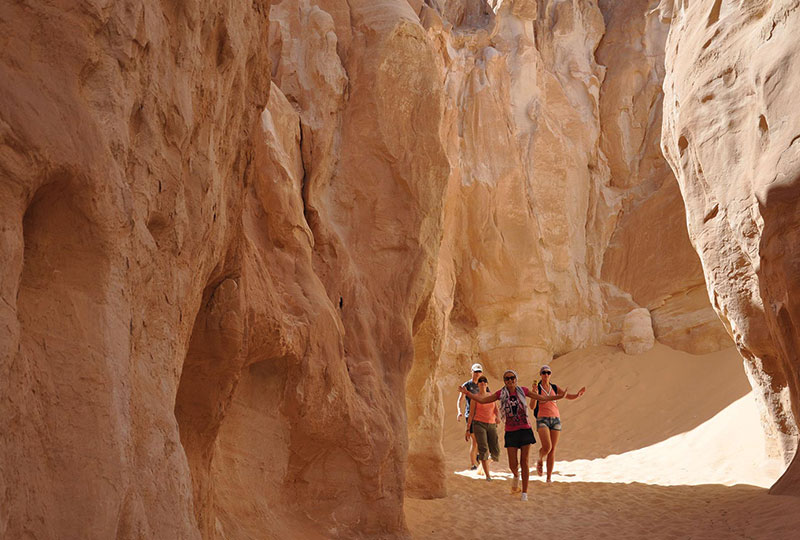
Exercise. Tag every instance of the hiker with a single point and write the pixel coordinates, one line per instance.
(548, 421)
(472, 386)
(519, 434)
(482, 424)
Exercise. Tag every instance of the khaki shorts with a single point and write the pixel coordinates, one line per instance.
(486, 435)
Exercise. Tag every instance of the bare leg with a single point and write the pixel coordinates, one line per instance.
(544, 437)
(513, 464)
(523, 464)
(485, 464)
(473, 453)
(551, 455)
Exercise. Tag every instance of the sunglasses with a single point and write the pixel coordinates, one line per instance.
(509, 378)
(547, 372)
(482, 381)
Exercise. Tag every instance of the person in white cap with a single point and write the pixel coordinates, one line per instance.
(472, 386)
(548, 421)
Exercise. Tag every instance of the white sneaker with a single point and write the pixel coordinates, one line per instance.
(524, 497)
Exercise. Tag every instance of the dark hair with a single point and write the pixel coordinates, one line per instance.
(483, 379)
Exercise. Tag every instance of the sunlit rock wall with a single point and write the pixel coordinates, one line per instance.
(561, 217)
(732, 135)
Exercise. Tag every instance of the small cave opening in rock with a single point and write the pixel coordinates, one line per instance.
(67, 337)
(208, 378)
(235, 438)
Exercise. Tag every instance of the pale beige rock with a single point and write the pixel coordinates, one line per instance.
(649, 255)
(731, 136)
(561, 215)
(637, 332)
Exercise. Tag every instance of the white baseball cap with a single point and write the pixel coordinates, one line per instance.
(477, 367)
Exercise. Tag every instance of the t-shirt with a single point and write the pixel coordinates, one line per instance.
(516, 413)
(472, 388)
(484, 412)
(548, 408)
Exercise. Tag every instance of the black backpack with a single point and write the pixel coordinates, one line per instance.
(539, 391)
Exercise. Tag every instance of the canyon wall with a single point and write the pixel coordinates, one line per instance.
(248, 251)
(732, 134)
(561, 217)
(209, 281)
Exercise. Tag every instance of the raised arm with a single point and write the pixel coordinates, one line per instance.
(458, 406)
(543, 397)
(489, 398)
(576, 396)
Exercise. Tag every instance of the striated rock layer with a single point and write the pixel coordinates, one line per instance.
(732, 135)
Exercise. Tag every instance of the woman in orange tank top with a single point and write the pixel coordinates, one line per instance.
(548, 421)
(482, 422)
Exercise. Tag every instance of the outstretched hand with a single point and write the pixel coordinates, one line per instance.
(581, 391)
(464, 391)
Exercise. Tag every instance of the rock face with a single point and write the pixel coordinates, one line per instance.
(209, 285)
(732, 135)
(250, 249)
(561, 216)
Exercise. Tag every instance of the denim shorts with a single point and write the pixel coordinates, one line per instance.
(551, 422)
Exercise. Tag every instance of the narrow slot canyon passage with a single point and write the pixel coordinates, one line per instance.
(249, 251)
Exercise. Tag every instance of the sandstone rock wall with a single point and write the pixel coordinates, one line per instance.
(209, 285)
(732, 135)
(125, 141)
(249, 247)
(561, 216)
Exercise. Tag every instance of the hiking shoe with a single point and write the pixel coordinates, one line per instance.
(524, 497)
(488, 478)
(474, 468)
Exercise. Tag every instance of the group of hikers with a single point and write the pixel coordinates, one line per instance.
(483, 413)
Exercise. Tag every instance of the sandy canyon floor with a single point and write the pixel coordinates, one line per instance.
(663, 445)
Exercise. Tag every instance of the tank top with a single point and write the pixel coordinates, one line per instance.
(547, 408)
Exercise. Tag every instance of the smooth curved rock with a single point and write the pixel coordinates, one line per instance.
(732, 136)
(637, 332)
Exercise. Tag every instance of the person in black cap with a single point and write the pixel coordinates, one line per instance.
(472, 386)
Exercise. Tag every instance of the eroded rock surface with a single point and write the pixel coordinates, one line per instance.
(249, 250)
(209, 285)
(732, 134)
(561, 216)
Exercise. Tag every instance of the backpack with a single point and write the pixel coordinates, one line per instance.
(539, 391)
